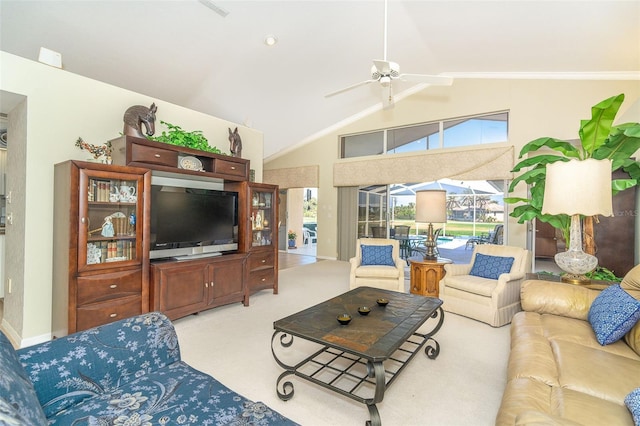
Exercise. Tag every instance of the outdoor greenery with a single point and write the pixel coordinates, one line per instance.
(177, 136)
(452, 228)
(598, 140)
(310, 208)
(408, 211)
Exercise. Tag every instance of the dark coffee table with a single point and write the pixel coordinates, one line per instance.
(359, 360)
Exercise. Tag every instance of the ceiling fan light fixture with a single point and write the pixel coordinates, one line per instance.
(270, 40)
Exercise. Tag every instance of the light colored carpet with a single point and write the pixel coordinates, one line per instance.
(463, 386)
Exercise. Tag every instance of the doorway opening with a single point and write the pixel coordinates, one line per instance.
(299, 217)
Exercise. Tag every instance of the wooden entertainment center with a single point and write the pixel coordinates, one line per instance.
(103, 273)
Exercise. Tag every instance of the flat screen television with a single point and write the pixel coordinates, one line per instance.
(192, 222)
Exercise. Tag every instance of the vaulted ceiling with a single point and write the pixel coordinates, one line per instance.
(185, 53)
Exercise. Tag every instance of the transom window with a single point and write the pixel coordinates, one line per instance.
(466, 131)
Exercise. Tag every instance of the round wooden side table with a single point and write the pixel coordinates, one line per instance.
(426, 275)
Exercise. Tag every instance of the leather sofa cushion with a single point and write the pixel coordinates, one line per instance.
(631, 281)
(547, 297)
(587, 409)
(594, 372)
(633, 336)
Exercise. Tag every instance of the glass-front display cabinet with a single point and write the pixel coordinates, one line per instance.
(109, 229)
(263, 215)
(100, 238)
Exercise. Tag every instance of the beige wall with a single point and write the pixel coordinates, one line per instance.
(537, 108)
(60, 107)
(295, 197)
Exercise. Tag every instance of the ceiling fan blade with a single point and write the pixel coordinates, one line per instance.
(436, 80)
(353, 86)
(383, 67)
(217, 9)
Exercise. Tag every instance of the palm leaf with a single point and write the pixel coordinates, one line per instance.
(594, 132)
(534, 175)
(538, 160)
(552, 143)
(633, 168)
(618, 185)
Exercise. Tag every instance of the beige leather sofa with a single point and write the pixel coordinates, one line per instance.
(378, 276)
(558, 373)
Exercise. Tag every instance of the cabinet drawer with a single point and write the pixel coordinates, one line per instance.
(261, 260)
(92, 289)
(262, 277)
(230, 168)
(103, 313)
(153, 155)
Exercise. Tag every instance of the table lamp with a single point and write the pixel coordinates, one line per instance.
(577, 188)
(431, 207)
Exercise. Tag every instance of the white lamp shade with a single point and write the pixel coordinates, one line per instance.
(578, 187)
(431, 206)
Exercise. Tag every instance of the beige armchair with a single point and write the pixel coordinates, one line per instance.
(389, 277)
(494, 301)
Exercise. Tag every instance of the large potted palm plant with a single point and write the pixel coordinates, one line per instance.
(599, 139)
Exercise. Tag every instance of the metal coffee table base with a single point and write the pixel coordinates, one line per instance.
(350, 375)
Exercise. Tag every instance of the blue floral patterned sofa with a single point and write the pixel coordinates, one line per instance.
(125, 373)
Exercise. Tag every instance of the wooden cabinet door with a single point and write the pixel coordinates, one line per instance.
(546, 241)
(225, 283)
(179, 291)
(615, 236)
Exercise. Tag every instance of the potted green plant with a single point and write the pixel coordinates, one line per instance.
(599, 139)
(177, 136)
(291, 235)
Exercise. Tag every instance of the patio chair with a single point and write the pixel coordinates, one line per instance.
(379, 231)
(401, 230)
(494, 237)
(309, 236)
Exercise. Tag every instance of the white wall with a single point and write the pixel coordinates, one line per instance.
(60, 107)
(537, 108)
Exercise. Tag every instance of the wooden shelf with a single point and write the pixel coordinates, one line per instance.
(133, 151)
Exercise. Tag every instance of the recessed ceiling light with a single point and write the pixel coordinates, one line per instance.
(270, 40)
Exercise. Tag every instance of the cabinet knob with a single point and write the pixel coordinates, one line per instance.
(211, 285)
(233, 167)
(83, 220)
(113, 315)
(264, 260)
(263, 280)
(157, 155)
(206, 285)
(113, 286)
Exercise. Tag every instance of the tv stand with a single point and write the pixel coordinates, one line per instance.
(187, 286)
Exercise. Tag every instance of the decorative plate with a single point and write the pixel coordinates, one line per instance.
(190, 163)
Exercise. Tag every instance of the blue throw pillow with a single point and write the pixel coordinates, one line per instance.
(612, 314)
(632, 401)
(486, 266)
(377, 255)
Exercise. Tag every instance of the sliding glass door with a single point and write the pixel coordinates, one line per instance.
(373, 208)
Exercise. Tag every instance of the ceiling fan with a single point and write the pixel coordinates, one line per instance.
(384, 72)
